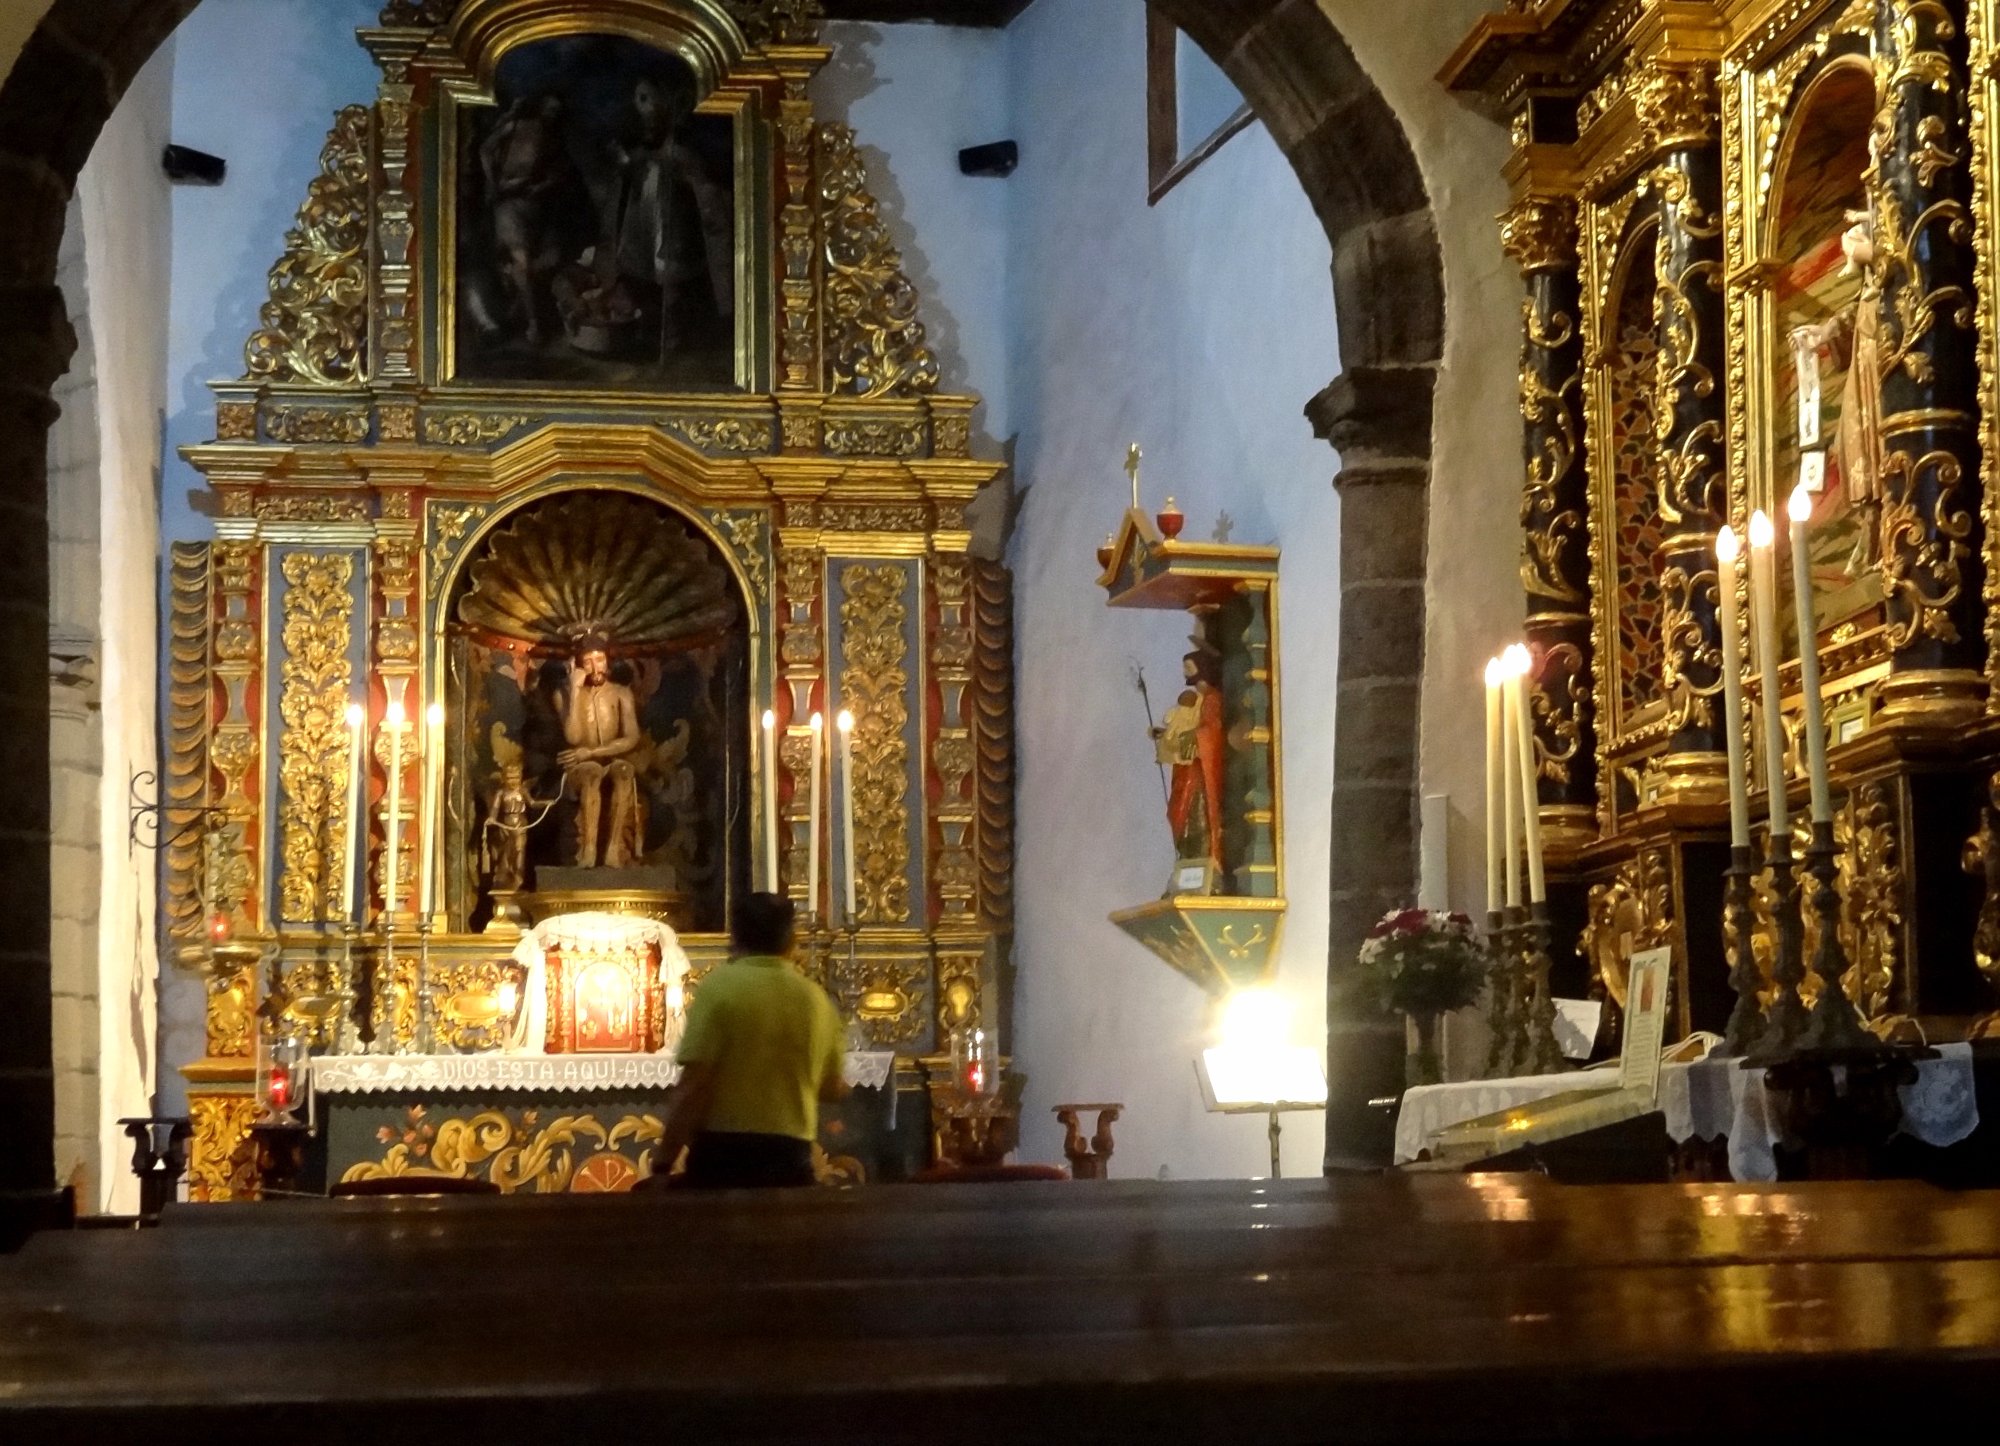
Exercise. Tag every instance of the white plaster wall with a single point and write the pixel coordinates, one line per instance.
(927, 91)
(1200, 328)
(124, 198)
(75, 737)
(103, 542)
(256, 82)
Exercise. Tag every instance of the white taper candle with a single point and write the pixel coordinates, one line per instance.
(1728, 553)
(845, 723)
(1802, 597)
(1764, 619)
(1496, 783)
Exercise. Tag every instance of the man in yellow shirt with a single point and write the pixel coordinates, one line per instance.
(762, 1050)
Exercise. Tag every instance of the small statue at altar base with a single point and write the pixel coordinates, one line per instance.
(503, 843)
(1190, 742)
(601, 727)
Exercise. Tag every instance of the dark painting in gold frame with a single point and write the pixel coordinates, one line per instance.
(596, 224)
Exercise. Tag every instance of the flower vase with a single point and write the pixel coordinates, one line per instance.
(1423, 1064)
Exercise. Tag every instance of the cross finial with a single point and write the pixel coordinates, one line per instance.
(1132, 460)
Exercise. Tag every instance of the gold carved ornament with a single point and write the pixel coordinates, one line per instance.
(316, 321)
(1687, 650)
(317, 682)
(723, 434)
(777, 22)
(1923, 559)
(1539, 233)
(1981, 859)
(1634, 911)
(993, 734)
(1559, 714)
(518, 1157)
(875, 342)
(874, 609)
(1870, 884)
(469, 429)
(1688, 471)
(1677, 105)
(1549, 413)
(219, 1165)
(190, 716)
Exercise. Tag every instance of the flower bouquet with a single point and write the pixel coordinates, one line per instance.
(1423, 963)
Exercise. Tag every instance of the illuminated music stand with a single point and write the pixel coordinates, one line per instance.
(1273, 1081)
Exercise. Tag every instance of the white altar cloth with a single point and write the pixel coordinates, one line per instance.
(1709, 1098)
(560, 1073)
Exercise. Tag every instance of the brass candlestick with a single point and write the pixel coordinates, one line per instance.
(1746, 1020)
(425, 1039)
(1785, 1020)
(1500, 1005)
(1834, 1022)
(1543, 1052)
(350, 989)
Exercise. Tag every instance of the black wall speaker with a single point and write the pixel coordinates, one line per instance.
(186, 166)
(998, 158)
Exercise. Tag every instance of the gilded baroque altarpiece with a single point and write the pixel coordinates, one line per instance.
(1757, 238)
(583, 284)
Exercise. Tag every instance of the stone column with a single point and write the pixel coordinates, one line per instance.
(1678, 112)
(1540, 235)
(1379, 418)
(1930, 533)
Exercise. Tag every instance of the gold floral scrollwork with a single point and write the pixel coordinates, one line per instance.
(308, 425)
(1550, 531)
(875, 342)
(313, 752)
(231, 998)
(1633, 911)
(236, 422)
(1981, 859)
(875, 438)
(449, 525)
(874, 683)
(1677, 104)
(776, 22)
(1690, 658)
(1561, 703)
(993, 737)
(952, 436)
(1923, 559)
(572, 1153)
(1870, 883)
(219, 1166)
(469, 429)
(723, 434)
(874, 517)
(315, 323)
(748, 534)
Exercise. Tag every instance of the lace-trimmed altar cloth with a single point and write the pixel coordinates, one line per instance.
(1709, 1099)
(555, 1073)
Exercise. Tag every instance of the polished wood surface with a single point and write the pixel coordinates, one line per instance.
(1401, 1308)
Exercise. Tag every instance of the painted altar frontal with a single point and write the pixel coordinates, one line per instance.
(588, 449)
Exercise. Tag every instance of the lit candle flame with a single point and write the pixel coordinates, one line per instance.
(1496, 672)
(435, 714)
(1518, 660)
(1761, 534)
(354, 715)
(1801, 504)
(770, 720)
(845, 722)
(1727, 548)
(818, 722)
(395, 715)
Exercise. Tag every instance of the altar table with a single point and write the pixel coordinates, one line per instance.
(565, 1123)
(1708, 1099)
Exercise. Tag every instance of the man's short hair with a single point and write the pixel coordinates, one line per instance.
(762, 924)
(592, 643)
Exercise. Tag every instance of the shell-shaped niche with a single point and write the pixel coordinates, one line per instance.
(598, 562)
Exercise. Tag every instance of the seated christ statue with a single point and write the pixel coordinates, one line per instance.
(601, 731)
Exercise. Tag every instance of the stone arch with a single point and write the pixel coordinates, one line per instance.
(1355, 162)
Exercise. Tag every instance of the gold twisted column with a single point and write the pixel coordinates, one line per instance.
(1931, 546)
(1540, 235)
(1677, 109)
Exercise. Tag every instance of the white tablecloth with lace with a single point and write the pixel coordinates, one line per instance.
(556, 1073)
(1709, 1099)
